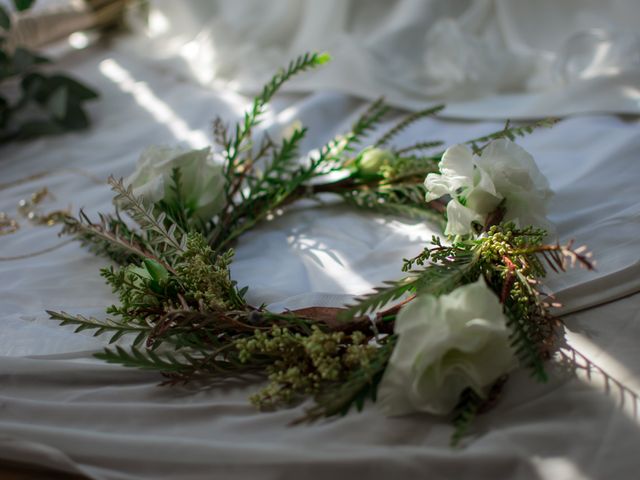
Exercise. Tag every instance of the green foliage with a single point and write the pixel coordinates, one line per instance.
(451, 267)
(178, 210)
(205, 277)
(46, 104)
(111, 237)
(360, 384)
(511, 264)
(464, 414)
(510, 132)
(406, 122)
(116, 329)
(303, 364)
(5, 19)
(285, 181)
(162, 241)
(22, 5)
(241, 139)
(166, 362)
(418, 146)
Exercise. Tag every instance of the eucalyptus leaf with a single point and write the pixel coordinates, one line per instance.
(22, 5)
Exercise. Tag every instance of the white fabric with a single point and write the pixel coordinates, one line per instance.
(58, 406)
(485, 58)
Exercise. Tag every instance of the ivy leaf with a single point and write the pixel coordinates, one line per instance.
(22, 5)
(5, 19)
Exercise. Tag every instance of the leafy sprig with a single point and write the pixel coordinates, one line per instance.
(406, 122)
(43, 103)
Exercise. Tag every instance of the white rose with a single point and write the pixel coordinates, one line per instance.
(202, 180)
(445, 345)
(477, 185)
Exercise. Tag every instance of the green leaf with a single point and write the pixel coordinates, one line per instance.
(465, 412)
(406, 122)
(76, 118)
(38, 128)
(4, 61)
(24, 59)
(5, 19)
(157, 271)
(76, 89)
(323, 58)
(57, 103)
(34, 87)
(22, 5)
(5, 111)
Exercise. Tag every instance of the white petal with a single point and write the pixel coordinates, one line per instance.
(459, 219)
(445, 345)
(437, 186)
(483, 198)
(457, 165)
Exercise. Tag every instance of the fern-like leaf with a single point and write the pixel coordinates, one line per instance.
(149, 360)
(406, 122)
(173, 238)
(464, 414)
(418, 146)
(510, 132)
(116, 329)
(435, 279)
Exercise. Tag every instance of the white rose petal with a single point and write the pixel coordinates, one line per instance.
(478, 184)
(202, 180)
(445, 345)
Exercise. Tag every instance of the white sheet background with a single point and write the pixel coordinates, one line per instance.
(60, 407)
(486, 58)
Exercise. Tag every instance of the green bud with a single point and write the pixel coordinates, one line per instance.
(371, 160)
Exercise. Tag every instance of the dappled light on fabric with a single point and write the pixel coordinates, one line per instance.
(159, 110)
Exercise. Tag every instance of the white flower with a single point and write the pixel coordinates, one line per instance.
(446, 344)
(202, 180)
(477, 185)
